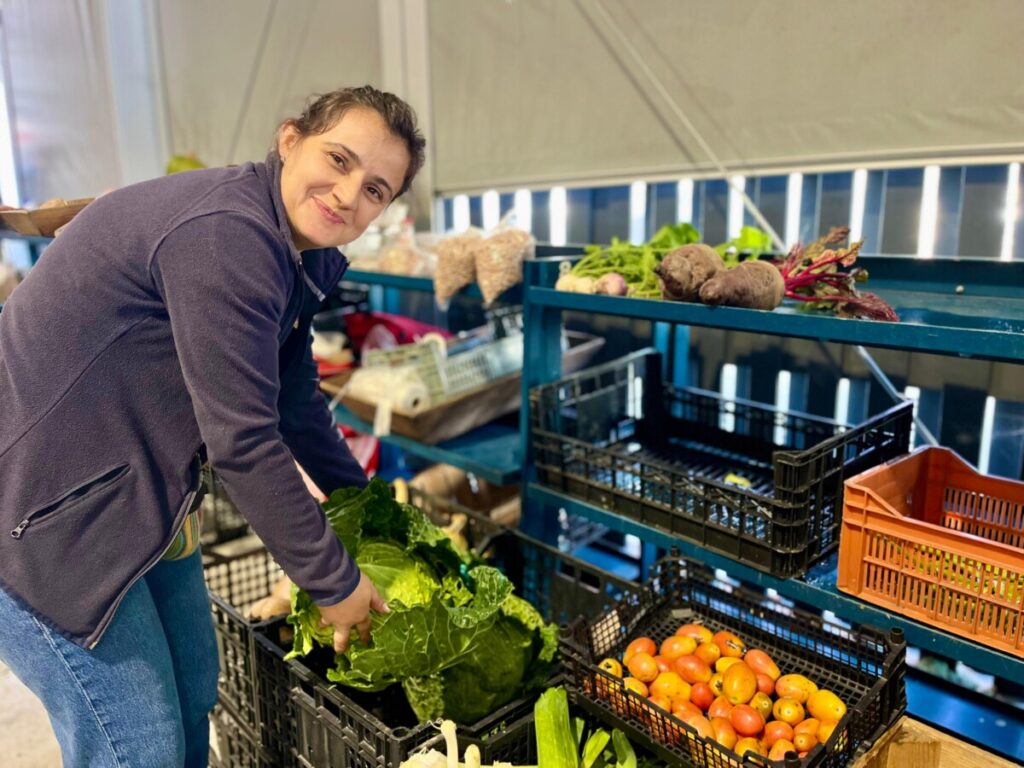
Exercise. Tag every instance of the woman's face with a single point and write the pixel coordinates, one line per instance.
(334, 184)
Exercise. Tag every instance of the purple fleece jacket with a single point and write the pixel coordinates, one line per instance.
(170, 315)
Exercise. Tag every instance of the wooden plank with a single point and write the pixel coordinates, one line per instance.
(912, 744)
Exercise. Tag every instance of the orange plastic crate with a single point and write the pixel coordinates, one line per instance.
(930, 537)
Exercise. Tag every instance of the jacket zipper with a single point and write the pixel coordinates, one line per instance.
(102, 628)
(309, 281)
(295, 321)
(91, 485)
(186, 505)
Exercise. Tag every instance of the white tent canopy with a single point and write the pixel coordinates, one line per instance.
(545, 91)
(518, 92)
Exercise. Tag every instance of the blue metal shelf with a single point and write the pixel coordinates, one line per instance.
(10, 234)
(491, 451)
(817, 589)
(421, 284)
(402, 282)
(930, 324)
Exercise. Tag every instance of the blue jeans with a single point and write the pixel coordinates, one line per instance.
(142, 696)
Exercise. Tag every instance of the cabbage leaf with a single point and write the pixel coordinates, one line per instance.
(457, 639)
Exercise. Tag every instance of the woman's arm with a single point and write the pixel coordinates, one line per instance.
(309, 431)
(224, 280)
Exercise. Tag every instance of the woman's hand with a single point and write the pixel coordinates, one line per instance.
(353, 611)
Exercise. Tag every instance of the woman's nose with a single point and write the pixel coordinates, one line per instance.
(346, 191)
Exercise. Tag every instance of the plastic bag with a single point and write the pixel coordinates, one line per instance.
(406, 260)
(499, 261)
(456, 265)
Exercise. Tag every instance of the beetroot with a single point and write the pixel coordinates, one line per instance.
(750, 284)
(683, 271)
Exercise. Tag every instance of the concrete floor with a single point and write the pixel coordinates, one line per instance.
(26, 738)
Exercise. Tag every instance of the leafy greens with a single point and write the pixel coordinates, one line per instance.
(456, 639)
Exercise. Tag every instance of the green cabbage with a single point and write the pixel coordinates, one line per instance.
(456, 639)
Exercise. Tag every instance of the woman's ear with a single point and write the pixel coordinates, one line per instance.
(287, 137)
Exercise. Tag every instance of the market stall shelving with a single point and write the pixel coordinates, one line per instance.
(420, 284)
(984, 320)
(959, 307)
(490, 452)
(817, 589)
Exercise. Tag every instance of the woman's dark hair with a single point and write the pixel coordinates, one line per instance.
(324, 111)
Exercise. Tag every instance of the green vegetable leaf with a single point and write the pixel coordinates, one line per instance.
(625, 757)
(579, 726)
(556, 747)
(426, 696)
(673, 236)
(751, 241)
(305, 619)
(456, 638)
(399, 578)
(594, 748)
(424, 639)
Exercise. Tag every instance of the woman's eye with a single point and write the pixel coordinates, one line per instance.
(375, 193)
(338, 159)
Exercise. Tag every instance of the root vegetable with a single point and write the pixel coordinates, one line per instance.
(683, 271)
(813, 277)
(584, 285)
(612, 284)
(750, 284)
(566, 282)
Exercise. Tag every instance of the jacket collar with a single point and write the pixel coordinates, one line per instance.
(332, 260)
(270, 173)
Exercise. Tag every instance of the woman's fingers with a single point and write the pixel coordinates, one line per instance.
(341, 639)
(377, 604)
(364, 631)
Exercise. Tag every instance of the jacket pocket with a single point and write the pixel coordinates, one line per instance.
(53, 509)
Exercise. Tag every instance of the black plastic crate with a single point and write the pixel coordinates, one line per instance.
(240, 572)
(253, 684)
(864, 666)
(237, 575)
(341, 726)
(236, 746)
(618, 437)
(509, 736)
(359, 729)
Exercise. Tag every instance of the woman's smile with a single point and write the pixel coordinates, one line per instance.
(329, 214)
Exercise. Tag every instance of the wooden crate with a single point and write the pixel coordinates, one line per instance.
(42, 222)
(471, 409)
(912, 744)
(449, 419)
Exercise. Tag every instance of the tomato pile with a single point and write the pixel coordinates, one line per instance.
(734, 696)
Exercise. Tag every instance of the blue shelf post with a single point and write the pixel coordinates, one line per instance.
(542, 363)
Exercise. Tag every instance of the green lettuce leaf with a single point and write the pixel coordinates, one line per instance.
(456, 638)
(425, 696)
(485, 680)
(398, 577)
(305, 619)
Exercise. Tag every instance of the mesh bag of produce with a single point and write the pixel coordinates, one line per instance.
(456, 265)
(499, 261)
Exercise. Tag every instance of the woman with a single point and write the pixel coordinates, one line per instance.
(167, 326)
